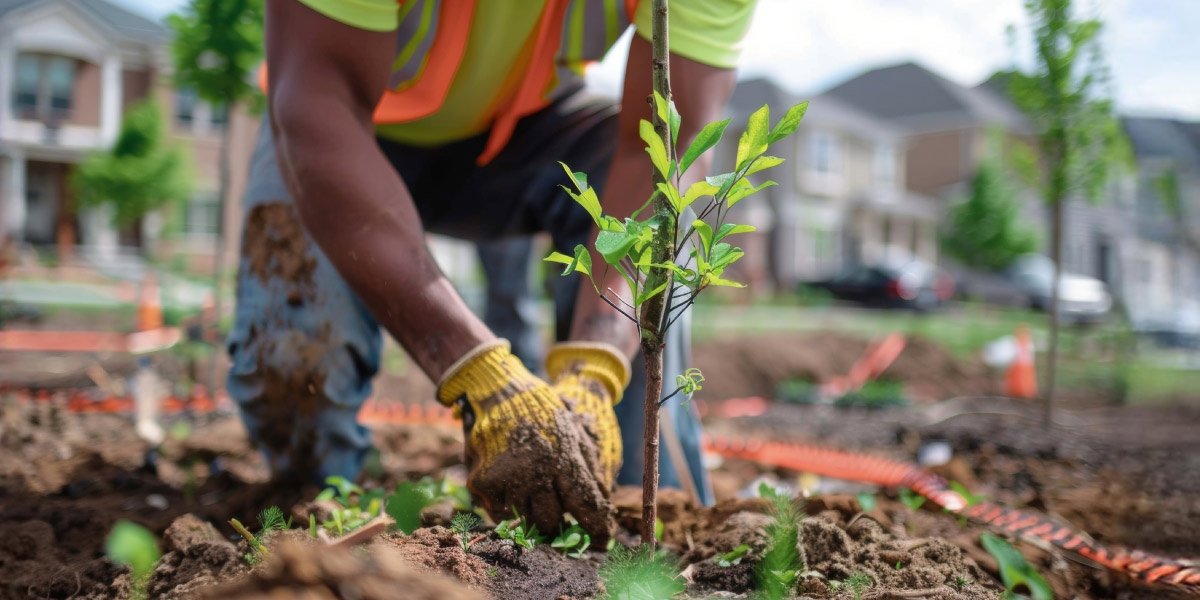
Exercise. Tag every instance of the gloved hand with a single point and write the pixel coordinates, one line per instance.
(525, 449)
(590, 378)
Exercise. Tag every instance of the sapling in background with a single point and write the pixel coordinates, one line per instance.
(666, 255)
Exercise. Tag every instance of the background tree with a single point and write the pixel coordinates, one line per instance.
(141, 172)
(1064, 93)
(217, 46)
(985, 232)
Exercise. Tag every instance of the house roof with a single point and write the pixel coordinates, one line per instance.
(129, 24)
(823, 110)
(1161, 138)
(917, 99)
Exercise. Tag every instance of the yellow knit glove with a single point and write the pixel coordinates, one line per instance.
(525, 450)
(590, 378)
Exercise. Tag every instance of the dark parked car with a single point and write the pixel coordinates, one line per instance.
(898, 284)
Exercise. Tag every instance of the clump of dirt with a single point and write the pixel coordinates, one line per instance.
(537, 574)
(275, 246)
(437, 550)
(197, 557)
(300, 570)
(756, 366)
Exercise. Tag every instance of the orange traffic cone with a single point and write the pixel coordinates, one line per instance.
(149, 310)
(1021, 379)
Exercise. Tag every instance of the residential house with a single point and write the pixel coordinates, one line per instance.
(69, 69)
(841, 197)
(947, 128)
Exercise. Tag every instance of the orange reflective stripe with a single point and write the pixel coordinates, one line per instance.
(537, 76)
(428, 93)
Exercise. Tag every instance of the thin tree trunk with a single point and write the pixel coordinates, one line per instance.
(1056, 242)
(653, 311)
(214, 383)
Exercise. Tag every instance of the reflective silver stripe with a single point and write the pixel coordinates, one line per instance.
(406, 34)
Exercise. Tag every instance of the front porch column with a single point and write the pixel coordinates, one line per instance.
(110, 99)
(12, 196)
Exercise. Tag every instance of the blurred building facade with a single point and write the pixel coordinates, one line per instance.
(69, 69)
(842, 200)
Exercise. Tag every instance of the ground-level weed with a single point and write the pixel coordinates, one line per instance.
(134, 546)
(573, 542)
(784, 560)
(519, 532)
(1015, 571)
(639, 574)
(461, 525)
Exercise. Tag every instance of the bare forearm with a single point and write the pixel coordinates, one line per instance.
(361, 215)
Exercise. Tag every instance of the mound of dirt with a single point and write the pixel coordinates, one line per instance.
(755, 366)
(310, 571)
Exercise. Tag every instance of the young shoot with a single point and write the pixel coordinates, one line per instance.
(1016, 573)
(517, 531)
(573, 542)
(783, 561)
(461, 525)
(639, 574)
(134, 546)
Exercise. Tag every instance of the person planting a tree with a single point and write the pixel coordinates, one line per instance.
(389, 119)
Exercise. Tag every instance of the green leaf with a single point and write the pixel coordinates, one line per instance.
(708, 137)
(733, 557)
(728, 229)
(743, 191)
(647, 294)
(654, 147)
(578, 178)
(704, 230)
(710, 279)
(1015, 571)
(405, 506)
(588, 200)
(614, 245)
(724, 255)
(789, 123)
(581, 262)
(696, 190)
(754, 140)
(132, 545)
(763, 163)
(672, 195)
(660, 106)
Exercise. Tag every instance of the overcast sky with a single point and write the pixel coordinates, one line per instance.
(1153, 46)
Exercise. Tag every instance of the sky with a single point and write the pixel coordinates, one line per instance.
(1152, 46)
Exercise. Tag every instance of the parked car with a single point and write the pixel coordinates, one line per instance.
(1081, 299)
(908, 284)
(988, 287)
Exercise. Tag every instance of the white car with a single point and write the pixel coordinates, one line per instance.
(1081, 299)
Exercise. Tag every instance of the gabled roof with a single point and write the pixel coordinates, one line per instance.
(1161, 138)
(126, 23)
(823, 110)
(917, 99)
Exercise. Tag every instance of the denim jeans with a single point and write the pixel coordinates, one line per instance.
(304, 349)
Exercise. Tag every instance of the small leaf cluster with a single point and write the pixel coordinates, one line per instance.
(783, 562)
(639, 574)
(911, 499)
(520, 533)
(625, 246)
(134, 546)
(733, 557)
(573, 541)
(461, 524)
(269, 520)
(355, 505)
(1015, 571)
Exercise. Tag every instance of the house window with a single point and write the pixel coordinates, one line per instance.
(203, 215)
(219, 115)
(823, 152)
(43, 86)
(185, 107)
(885, 163)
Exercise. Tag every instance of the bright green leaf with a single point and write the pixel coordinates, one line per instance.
(708, 137)
(654, 147)
(710, 279)
(588, 200)
(704, 230)
(696, 190)
(1015, 571)
(742, 192)
(578, 178)
(789, 123)
(723, 255)
(754, 139)
(132, 545)
(672, 195)
(728, 229)
(614, 245)
(763, 163)
(647, 294)
(405, 505)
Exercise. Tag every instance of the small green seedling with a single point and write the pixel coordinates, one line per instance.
(461, 525)
(518, 532)
(573, 542)
(340, 489)
(270, 519)
(406, 503)
(134, 546)
(312, 526)
(858, 583)
(783, 561)
(866, 500)
(1015, 571)
(899, 565)
(639, 574)
(733, 557)
(972, 499)
(959, 583)
(911, 499)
